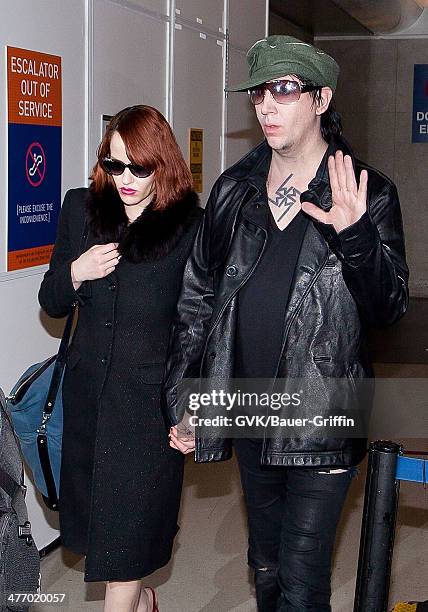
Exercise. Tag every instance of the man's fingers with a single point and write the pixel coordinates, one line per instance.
(362, 189)
(179, 447)
(186, 441)
(340, 169)
(183, 447)
(351, 183)
(334, 182)
(315, 212)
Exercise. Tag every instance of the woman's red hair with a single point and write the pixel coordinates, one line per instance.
(149, 141)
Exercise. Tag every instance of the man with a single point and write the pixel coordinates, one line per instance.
(301, 247)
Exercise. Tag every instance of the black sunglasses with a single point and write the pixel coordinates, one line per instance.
(283, 91)
(116, 168)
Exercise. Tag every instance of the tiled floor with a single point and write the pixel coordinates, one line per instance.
(208, 572)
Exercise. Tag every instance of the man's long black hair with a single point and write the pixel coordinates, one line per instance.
(331, 120)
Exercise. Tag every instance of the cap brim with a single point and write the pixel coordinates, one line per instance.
(283, 69)
(274, 72)
(247, 85)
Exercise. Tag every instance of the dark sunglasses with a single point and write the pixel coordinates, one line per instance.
(116, 168)
(283, 91)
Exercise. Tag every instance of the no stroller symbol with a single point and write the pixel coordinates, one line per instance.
(35, 164)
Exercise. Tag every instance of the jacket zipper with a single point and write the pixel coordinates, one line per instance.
(28, 381)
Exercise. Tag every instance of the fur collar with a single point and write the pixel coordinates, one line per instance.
(152, 235)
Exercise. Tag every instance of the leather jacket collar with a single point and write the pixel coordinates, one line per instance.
(319, 192)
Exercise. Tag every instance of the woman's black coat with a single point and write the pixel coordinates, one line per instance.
(120, 480)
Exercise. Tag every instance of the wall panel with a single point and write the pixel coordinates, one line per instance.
(129, 63)
(155, 6)
(245, 28)
(198, 96)
(243, 130)
(247, 22)
(206, 14)
(27, 335)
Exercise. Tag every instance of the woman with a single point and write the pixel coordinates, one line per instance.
(120, 480)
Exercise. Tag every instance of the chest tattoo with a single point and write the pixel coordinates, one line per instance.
(285, 196)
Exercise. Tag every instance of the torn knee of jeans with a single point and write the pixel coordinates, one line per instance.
(266, 569)
(333, 471)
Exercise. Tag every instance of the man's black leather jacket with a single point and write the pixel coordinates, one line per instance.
(342, 283)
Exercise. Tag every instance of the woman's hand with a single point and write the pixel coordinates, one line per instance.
(96, 262)
(349, 200)
(182, 440)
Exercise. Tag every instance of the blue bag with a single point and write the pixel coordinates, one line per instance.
(26, 402)
(35, 404)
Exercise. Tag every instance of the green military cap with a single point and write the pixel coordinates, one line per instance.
(277, 56)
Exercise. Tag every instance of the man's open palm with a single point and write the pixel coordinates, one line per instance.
(349, 200)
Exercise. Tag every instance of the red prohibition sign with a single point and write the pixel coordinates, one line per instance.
(35, 164)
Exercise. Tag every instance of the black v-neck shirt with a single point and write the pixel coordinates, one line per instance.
(263, 301)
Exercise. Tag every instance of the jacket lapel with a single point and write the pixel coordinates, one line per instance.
(248, 242)
(312, 257)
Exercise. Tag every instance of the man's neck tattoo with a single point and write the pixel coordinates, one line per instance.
(285, 197)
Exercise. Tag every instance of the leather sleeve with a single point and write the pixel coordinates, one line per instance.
(372, 252)
(56, 293)
(193, 314)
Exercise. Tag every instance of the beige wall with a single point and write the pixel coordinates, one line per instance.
(278, 25)
(375, 98)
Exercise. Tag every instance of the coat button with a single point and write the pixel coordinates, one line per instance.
(108, 324)
(112, 287)
(231, 271)
(103, 360)
(212, 355)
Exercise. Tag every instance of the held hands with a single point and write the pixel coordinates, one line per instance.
(182, 438)
(96, 262)
(349, 200)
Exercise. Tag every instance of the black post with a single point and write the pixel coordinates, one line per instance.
(378, 528)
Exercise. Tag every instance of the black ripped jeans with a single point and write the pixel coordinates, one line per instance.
(293, 514)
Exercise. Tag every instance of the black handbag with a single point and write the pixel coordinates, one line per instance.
(19, 557)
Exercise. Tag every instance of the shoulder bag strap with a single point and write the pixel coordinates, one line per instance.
(8, 484)
(42, 439)
(63, 347)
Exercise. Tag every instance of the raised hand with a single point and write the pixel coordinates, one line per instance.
(349, 200)
(96, 262)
